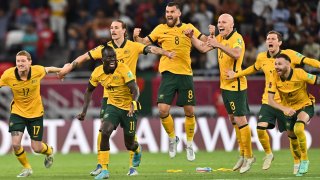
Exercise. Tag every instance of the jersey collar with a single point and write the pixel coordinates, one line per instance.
(289, 77)
(269, 55)
(122, 45)
(18, 76)
(232, 32)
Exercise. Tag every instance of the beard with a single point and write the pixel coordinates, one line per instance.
(172, 23)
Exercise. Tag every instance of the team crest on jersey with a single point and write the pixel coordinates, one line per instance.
(126, 52)
(33, 81)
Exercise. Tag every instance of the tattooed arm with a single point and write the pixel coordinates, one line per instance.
(69, 67)
(158, 51)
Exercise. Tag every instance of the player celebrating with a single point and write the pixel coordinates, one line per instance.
(27, 109)
(123, 92)
(296, 104)
(176, 74)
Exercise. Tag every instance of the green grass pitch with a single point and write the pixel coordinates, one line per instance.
(155, 166)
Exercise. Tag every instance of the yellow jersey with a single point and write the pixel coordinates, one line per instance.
(174, 39)
(115, 84)
(127, 53)
(27, 100)
(233, 40)
(293, 90)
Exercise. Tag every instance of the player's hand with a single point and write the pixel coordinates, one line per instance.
(289, 111)
(81, 116)
(135, 106)
(136, 32)
(212, 42)
(65, 70)
(171, 55)
(188, 33)
(212, 30)
(229, 74)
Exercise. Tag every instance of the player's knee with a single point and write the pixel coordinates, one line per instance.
(36, 147)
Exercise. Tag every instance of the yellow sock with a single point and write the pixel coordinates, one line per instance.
(301, 136)
(104, 159)
(295, 150)
(131, 154)
(98, 145)
(189, 126)
(98, 141)
(46, 149)
(245, 133)
(22, 157)
(168, 125)
(236, 128)
(264, 139)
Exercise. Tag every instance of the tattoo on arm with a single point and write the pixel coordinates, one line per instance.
(134, 90)
(15, 133)
(74, 64)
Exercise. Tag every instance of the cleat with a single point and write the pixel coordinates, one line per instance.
(173, 142)
(238, 164)
(267, 161)
(247, 164)
(25, 172)
(132, 172)
(48, 160)
(304, 166)
(97, 170)
(190, 153)
(296, 168)
(103, 175)
(137, 158)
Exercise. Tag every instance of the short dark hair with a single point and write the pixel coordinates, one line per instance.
(279, 35)
(106, 50)
(284, 56)
(173, 3)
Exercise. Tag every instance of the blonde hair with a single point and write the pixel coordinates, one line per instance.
(24, 53)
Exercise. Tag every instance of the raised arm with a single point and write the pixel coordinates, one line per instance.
(87, 99)
(137, 38)
(311, 62)
(197, 43)
(52, 69)
(69, 67)
(159, 51)
(235, 53)
(249, 70)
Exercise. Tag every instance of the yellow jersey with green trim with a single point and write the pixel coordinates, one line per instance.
(265, 62)
(127, 53)
(293, 90)
(27, 100)
(174, 39)
(115, 84)
(226, 62)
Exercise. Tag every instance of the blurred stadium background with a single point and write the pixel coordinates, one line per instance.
(57, 31)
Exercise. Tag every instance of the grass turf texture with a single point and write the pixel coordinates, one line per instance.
(155, 166)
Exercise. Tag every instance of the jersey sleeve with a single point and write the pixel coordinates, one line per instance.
(94, 78)
(41, 70)
(309, 78)
(127, 74)
(154, 35)
(238, 43)
(95, 53)
(140, 47)
(196, 32)
(258, 64)
(3, 80)
(272, 86)
(296, 58)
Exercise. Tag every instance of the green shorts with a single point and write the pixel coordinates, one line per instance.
(34, 126)
(235, 102)
(119, 116)
(172, 84)
(271, 115)
(291, 120)
(103, 106)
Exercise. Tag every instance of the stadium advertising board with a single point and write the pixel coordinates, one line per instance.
(211, 134)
